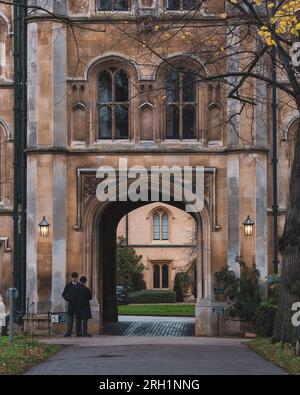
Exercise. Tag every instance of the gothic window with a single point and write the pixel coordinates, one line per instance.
(181, 5)
(113, 5)
(113, 105)
(161, 276)
(160, 225)
(181, 105)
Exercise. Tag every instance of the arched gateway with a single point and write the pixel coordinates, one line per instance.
(98, 221)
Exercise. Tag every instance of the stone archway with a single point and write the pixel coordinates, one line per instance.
(100, 225)
(93, 216)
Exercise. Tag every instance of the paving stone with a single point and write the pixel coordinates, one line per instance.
(149, 328)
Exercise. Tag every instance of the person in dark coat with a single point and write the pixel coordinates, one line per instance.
(71, 295)
(84, 308)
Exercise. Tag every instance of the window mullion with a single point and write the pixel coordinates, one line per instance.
(160, 227)
(113, 127)
(180, 106)
(160, 277)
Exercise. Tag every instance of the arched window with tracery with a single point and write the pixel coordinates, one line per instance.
(113, 104)
(160, 225)
(181, 104)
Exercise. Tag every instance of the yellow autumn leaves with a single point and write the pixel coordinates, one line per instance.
(284, 20)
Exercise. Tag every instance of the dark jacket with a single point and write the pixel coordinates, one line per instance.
(84, 308)
(71, 295)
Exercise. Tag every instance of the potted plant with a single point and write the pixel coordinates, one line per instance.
(242, 295)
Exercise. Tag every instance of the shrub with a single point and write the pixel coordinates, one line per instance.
(181, 285)
(273, 281)
(264, 319)
(152, 296)
(242, 293)
(129, 267)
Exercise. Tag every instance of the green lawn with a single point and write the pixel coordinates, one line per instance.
(24, 353)
(183, 310)
(272, 352)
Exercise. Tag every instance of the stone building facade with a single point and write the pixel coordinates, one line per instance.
(164, 236)
(73, 129)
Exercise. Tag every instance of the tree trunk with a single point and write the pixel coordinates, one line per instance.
(290, 249)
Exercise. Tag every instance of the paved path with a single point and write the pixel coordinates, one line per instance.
(151, 326)
(136, 355)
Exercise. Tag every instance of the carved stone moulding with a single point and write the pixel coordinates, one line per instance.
(87, 186)
(4, 244)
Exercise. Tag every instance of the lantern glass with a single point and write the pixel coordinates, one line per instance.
(44, 227)
(248, 226)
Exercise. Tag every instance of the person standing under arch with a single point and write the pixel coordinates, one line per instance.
(84, 308)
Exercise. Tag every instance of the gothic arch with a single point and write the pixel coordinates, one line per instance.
(93, 250)
(288, 122)
(160, 208)
(4, 126)
(7, 23)
(107, 57)
(189, 60)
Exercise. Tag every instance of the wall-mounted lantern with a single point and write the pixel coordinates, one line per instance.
(44, 227)
(248, 226)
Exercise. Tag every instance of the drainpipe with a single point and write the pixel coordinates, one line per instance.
(127, 230)
(275, 206)
(20, 132)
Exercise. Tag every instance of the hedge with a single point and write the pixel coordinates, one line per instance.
(152, 296)
(264, 319)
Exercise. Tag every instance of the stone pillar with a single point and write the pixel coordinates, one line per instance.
(110, 306)
(32, 223)
(233, 106)
(233, 211)
(261, 245)
(59, 244)
(47, 178)
(32, 110)
(59, 85)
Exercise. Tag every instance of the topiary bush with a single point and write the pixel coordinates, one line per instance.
(264, 318)
(152, 296)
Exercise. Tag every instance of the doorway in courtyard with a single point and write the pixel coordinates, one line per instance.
(148, 255)
(156, 253)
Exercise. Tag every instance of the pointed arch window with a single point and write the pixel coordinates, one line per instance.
(181, 105)
(113, 104)
(160, 225)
